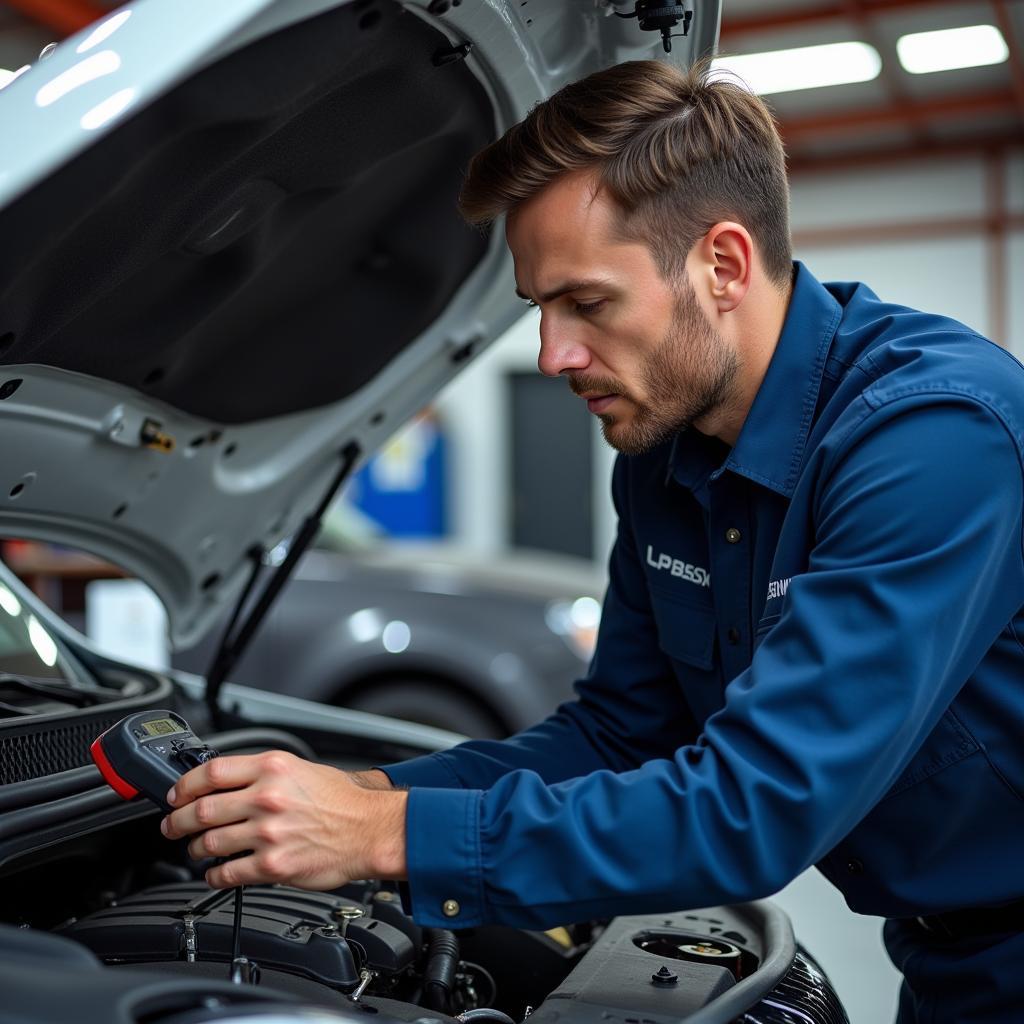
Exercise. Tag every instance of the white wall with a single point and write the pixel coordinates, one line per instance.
(946, 275)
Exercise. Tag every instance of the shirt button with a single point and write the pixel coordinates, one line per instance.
(733, 536)
(733, 635)
(450, 908)
(855, 867)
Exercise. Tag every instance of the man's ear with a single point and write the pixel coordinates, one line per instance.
(725, 257)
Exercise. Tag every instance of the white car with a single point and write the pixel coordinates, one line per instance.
(231, 265)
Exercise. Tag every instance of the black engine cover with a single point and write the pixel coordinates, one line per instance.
(171, 993)
(317, 935)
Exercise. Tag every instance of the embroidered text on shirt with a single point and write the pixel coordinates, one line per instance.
(693, 573)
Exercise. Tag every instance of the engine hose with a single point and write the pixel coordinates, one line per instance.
(55, 799)
(439, 974)
(485, 1015)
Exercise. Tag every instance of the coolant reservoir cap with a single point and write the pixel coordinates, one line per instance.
(693, 948)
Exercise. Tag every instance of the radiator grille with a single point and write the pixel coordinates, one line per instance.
(804, 996)
(51, 749)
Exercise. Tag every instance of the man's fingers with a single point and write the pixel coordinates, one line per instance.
(220, 773)
(222, 842)
(209, 811)
(241, 871)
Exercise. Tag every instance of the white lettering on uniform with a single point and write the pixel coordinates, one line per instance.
(682, 570)
(778, 588)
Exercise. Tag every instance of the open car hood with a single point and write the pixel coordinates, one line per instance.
(229, 251)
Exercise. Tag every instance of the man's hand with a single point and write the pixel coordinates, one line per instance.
(305, 824)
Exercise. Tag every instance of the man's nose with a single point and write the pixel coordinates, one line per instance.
(560, 350)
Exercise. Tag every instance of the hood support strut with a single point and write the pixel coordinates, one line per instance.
(234, 641)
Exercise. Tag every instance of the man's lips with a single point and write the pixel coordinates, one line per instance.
(599, 403)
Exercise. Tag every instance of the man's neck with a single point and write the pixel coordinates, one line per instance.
(757, 336)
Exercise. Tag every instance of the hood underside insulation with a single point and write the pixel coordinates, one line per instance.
(265, 237)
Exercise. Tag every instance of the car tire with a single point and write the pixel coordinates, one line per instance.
(428, 702)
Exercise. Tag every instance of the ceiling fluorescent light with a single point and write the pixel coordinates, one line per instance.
(951, 48)
(807, 67)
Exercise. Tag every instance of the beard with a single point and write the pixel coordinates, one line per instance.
(691, 372)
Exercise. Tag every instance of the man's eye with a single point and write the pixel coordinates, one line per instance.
(589, 307)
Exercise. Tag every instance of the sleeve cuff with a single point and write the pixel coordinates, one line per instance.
(443, 857)
(431, 770)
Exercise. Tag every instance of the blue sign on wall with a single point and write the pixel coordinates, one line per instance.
(403, 487)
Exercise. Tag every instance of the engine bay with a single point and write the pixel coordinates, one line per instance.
(96, 896)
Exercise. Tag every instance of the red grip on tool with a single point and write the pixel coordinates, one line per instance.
(116, 783)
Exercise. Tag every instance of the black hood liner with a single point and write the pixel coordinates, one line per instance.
(265, 237)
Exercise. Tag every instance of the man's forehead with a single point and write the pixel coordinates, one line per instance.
(572, 203)
(563, 234)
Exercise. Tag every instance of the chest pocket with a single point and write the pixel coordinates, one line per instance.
(686, 633)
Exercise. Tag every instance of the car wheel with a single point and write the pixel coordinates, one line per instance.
(429, 703)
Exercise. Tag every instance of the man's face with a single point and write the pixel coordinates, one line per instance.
(638, 348)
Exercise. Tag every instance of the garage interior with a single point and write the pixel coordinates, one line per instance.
(911, 181)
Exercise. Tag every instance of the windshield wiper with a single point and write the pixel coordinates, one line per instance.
(54, 689)
(14, 711)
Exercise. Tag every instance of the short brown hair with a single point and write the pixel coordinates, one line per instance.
(677, 150)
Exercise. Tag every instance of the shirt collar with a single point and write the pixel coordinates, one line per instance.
(770, 447)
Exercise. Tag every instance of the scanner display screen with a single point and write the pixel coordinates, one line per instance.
(161, 727)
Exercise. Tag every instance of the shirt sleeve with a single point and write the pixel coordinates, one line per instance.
(628, 709)
(916, 569)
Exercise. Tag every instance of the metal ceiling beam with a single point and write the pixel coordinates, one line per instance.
(987, 145)
(834, 11)
(894, 231)
(1005, 24)
(62, 16)
(898, 114)
(1000, 221)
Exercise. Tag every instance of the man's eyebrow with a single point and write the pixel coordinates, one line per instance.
(563, 289)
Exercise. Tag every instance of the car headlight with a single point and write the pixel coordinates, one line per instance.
(576, 623)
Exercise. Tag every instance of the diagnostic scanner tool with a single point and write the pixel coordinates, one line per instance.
(146, 753)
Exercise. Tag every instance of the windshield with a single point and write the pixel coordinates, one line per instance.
(26, 647)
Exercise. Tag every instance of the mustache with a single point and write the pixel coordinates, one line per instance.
(581, 385)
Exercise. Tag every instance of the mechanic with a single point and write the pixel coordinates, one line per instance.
(809, 651)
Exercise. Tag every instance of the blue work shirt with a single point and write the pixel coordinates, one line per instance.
(809, 654)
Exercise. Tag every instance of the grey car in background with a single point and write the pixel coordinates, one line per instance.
(426, 633)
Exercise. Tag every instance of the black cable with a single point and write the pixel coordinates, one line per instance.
(660, 16)
(236, 930)
(33, 792)
(58, 812)
(439, 973)
(481, 972)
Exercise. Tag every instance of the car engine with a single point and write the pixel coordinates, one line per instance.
(95, 896)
